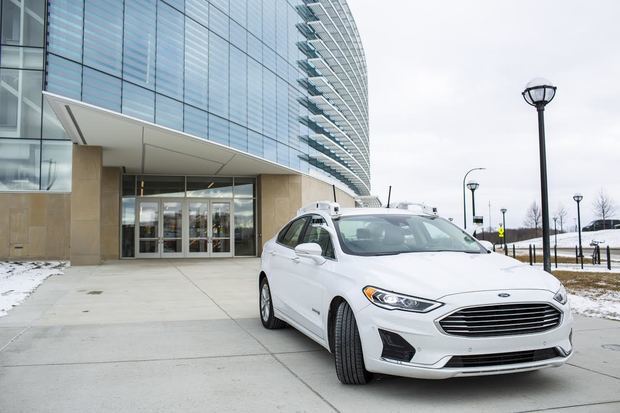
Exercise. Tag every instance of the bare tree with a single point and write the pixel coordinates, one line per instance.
(561, 213)
(533, 217)
(604, 207)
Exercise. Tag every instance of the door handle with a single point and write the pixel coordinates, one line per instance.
(273, 253)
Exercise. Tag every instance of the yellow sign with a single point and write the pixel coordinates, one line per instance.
(500, 231)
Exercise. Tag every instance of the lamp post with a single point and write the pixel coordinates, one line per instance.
(577, 198)
(503, 210)
(472, 186)
(555, 231)
(538, 93)
(464, 200)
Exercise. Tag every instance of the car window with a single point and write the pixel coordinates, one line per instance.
(387, 234)
(319, 235)
(291, 237)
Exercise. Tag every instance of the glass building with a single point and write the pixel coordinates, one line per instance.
(192, 101)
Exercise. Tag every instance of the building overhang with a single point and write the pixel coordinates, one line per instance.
(145, 148)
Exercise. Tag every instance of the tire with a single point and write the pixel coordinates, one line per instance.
(265, 307)
(348, 353)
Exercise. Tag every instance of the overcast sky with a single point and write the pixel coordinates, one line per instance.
(445, 83)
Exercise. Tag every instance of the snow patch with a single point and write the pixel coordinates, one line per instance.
(596, 303)
(19, 279)
(610, 237)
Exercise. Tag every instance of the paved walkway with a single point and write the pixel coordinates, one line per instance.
(182, 335)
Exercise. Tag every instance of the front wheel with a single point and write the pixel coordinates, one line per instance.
(348, 348)
(265, 305)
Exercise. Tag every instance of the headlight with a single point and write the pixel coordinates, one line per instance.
(561, 296)
(394, 301)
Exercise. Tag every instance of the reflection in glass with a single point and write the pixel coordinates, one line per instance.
(19, 165)
(244, 188)
(198, 219)
(204, 186)
(245, 235)
(198, 245)
(128, 222)
(56, 166)
(173, 245)
(220, 225)
(173, 220)
(221, 245)
(20, 103)
(148, 246)
(149, 219)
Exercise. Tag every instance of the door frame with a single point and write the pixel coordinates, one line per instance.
(184, 228)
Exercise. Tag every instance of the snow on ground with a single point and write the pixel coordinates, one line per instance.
(587, 267)
(19, 279)
(596, 304)
(570, 239)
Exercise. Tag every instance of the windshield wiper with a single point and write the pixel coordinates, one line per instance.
(466, 252)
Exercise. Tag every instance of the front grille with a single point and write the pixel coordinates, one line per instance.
(499, 359)
(502, 320)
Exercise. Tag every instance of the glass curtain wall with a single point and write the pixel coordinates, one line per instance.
(225, 70)
(34, 151)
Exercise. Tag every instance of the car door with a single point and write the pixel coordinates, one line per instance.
(283, 259)
(310, 279)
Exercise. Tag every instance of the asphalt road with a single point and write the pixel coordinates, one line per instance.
(165, 336)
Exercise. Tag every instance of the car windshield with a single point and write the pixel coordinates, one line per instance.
(388, 234)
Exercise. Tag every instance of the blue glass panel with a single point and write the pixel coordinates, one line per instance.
(238, 11)
(282, 110)
(255, 143)
(139, 42)
(218, 22)
(269, 103)
(102, 90)
(238, 86)
(269, 58)
(177, 4)
(218, 130)
(269, 23)
(198, 10)
(282, 28)
(196, 64)
(270, 149)
(65, 25)
(64, 77)
(293, 36)
(238, 137)
(169, 112)
(282, 67)
(138, 102)
(283, 156)
(255, 48)
(169, 51)
(293, 117)
(103, 35)
(255, 18)
(222, 4)
(195, 121)
(218, 76)
(295, 161)
(238, 36)
(255, 95)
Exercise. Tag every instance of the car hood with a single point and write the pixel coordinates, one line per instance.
(435, 275)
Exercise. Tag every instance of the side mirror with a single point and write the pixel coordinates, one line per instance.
(486, 244)
(311, 250)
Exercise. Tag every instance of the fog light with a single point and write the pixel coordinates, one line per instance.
(395, 347)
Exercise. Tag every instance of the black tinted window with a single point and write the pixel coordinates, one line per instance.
(319, 235)
(291, 237)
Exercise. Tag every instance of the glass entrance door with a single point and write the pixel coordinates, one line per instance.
(160, 228)
(220, 229)
(147, 215)
(198, 217)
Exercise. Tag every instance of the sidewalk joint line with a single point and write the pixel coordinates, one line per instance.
(568, 406)
(14, 338)
(594, 371)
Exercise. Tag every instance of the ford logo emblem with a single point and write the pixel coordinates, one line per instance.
(503, 295)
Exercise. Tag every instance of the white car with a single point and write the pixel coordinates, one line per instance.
(410, 294)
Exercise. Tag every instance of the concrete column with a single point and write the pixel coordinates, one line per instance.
(110, 213)
(86, 205)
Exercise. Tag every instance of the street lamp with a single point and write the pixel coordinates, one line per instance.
(503, 210)
(538, 93)
(555, 231)
(464, 200)
(577, 198)
(472, 186)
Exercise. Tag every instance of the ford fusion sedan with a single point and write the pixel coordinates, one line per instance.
(410, 294)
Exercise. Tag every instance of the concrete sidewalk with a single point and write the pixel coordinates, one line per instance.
(183, 335)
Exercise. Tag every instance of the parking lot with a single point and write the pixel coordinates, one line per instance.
(183, 335)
